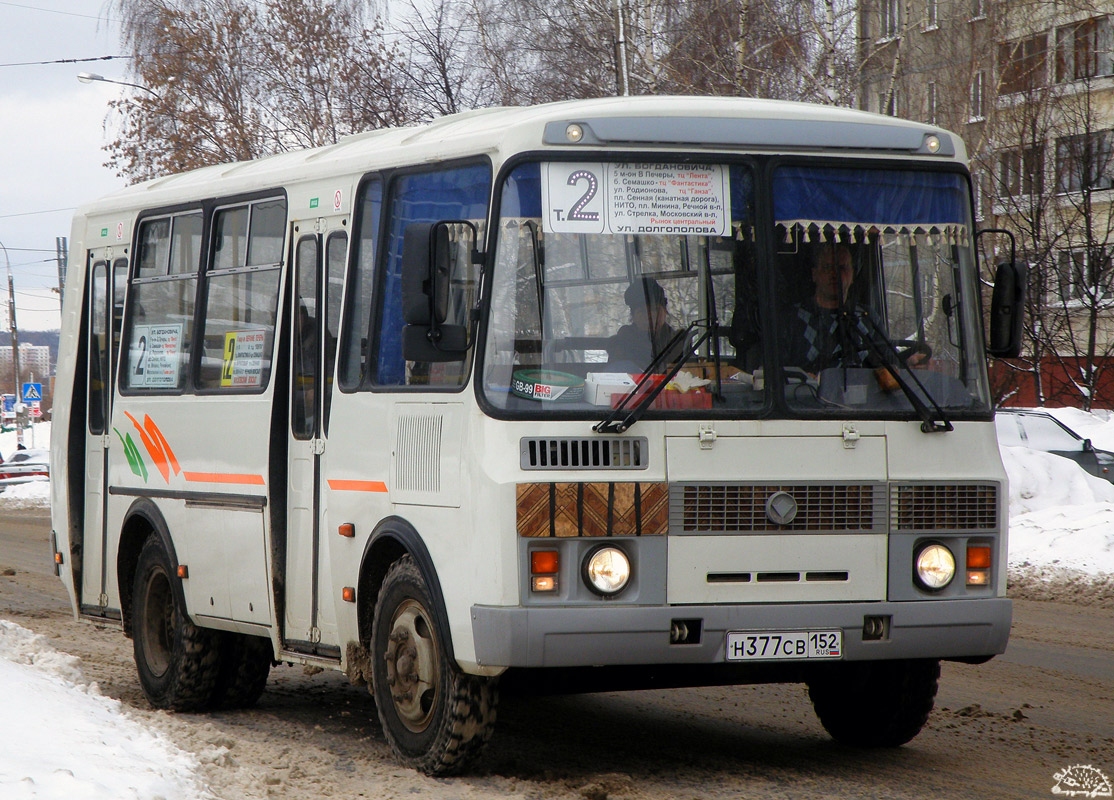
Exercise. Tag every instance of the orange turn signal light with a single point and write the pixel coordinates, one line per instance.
(348, 594)
(544, 562)
(57, 558)
(978, 556)
(347, 529)
(183, 571)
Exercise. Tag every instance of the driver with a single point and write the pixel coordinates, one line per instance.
(828, 329)
(818, 333)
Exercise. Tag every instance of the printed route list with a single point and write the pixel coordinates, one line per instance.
(689, 199)
(655, 198)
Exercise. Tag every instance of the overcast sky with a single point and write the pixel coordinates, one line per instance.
(51, 138)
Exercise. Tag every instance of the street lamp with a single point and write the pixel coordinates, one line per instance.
(90, 77)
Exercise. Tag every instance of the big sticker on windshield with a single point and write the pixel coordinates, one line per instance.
(635, 198)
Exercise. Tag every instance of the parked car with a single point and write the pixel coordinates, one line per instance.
(24, 466)
(1042, 431)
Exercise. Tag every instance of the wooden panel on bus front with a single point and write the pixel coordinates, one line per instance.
(592, 509)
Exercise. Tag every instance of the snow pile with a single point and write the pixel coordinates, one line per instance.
(61, 739)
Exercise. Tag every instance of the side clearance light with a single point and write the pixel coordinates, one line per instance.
(348, 594)
(978, 564)
(544, 566)
(347, 529)
(183, 571)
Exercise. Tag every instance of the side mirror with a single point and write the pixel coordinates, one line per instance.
(430, 259)
(1088, 446)
(1006, 305)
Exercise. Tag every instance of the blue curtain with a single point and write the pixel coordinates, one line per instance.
(878, 197)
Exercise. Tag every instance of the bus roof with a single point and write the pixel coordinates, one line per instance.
(651, 122)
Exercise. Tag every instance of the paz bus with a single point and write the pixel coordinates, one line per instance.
(509, 401)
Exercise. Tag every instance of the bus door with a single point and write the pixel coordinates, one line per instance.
(105, 296)
(319, 259)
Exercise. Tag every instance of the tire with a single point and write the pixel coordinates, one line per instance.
(178, 662)
(874, 703)
(245, 662)
(435, 718)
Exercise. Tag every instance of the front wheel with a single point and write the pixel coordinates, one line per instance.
(178, 662)
(874, 703)
(436, 718)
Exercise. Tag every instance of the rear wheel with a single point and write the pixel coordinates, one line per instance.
(435, 717)
(874, 703)
(178, 662)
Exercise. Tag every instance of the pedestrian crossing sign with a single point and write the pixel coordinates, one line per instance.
(32, 391)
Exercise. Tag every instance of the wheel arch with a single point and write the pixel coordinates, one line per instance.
(142, 521)
(393, 538)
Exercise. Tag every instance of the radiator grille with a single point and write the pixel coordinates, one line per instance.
(418, 453)
(583, 453)
(944, 506)
(713, 508)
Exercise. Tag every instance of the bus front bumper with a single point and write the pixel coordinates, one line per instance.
(601, 635)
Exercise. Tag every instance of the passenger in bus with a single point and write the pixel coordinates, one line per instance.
(826, 329)
(648, 335)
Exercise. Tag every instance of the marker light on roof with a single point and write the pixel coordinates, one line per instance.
(574, 133)
(932, 144)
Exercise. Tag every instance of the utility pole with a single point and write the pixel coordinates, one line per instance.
(62, 250)
(623, 78)
(15, 342)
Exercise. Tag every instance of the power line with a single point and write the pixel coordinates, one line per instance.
(54, 11)
(63, 60)
(33, 213)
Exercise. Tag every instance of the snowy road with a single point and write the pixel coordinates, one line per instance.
(1000, 730)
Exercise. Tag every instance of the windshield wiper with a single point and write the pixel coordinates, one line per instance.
(930, 423)
(612, 422)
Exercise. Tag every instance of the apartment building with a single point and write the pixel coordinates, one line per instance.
(1029, 85)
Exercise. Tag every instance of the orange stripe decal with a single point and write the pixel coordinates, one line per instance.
(223, 477)
(357, 486)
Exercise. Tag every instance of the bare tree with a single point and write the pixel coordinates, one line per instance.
(228, 80)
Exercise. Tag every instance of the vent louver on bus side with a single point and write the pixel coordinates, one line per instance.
(418, 449)
(583, 453)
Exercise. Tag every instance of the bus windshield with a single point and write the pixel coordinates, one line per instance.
(856, 297)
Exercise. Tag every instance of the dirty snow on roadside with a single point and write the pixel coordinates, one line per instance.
(60, 739)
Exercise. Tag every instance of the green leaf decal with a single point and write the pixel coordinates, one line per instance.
(135, 460)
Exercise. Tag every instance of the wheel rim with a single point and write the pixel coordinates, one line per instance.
(413, 666)
(158, 623)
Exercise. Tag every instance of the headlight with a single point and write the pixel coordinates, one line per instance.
(935, 566)
(607, 570)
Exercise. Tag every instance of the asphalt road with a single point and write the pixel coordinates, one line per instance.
(1000, 730)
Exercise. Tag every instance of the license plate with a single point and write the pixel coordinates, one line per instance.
(776, 645)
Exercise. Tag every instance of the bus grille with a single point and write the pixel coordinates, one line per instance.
(583, 453)
(733, 508)
(943, 506)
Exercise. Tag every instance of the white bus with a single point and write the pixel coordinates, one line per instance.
(551, 398)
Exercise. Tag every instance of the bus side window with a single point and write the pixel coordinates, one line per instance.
(161, 303)
(447, 194)
(241, 296)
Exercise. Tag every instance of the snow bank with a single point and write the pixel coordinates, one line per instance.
(60, 739)
(1061, 517)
